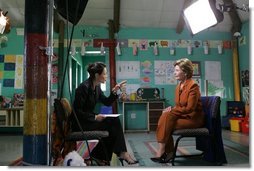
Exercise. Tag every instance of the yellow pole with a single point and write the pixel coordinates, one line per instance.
(236, 70)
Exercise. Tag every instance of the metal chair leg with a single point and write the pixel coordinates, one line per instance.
(175, 149)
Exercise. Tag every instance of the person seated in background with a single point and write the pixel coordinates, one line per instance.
(187, 112)
(87, 95)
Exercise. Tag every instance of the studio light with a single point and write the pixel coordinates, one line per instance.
(201, 15)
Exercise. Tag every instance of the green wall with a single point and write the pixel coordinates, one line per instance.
(244, 56)
(169, 34)
(15, 45)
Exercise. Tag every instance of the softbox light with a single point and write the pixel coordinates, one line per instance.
(71, 10)
(201, 15)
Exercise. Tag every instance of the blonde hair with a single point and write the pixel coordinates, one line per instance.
(186, 66)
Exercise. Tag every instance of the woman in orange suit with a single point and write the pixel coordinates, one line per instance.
(187, 112)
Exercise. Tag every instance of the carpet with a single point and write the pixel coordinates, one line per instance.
(236, 154)
(143, 148)
(81, 149)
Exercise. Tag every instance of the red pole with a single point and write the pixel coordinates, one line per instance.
(111, 44)
(112, 66)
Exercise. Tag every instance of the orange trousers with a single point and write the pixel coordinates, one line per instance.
(169, 122)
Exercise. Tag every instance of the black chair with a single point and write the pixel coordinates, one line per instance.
(63, 111)
(208, 138)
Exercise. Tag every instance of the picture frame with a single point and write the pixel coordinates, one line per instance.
(196, 69)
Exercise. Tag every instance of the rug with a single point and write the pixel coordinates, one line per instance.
(81, 149)
(144, 148)
(236, 154)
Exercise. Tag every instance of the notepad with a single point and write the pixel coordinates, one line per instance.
(111, 115)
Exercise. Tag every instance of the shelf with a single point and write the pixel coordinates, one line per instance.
(134, 118)
(11, 117)
(155, 111)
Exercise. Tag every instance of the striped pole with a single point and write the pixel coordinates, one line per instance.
(35, 83)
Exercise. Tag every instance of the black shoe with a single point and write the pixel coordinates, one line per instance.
(129, 162)
(164, 158)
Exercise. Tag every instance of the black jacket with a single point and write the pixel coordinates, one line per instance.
(86, 99)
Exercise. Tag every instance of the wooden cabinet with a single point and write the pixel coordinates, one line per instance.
(155, 111)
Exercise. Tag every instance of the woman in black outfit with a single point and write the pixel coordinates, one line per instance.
(86, 96)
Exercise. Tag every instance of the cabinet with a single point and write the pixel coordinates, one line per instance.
(155, 111)
(141, 115)
(11, 117)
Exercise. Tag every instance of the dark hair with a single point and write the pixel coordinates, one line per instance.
(185, 65)
(94, 68)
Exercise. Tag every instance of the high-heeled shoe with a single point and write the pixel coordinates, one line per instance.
(164, 158)
(128, 162)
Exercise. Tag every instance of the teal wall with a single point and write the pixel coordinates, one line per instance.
(244, 55)
(169, 34)
(197, 55)
(15, 45)
(244, 48)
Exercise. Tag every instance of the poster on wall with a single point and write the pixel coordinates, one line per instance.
(212, 70)
(245, 78)
(164, 72)
(146, 70)
(8, 70)
(246, 95)
(214, 88)
(128, 70)
(19, 84)
(143, 44)
(196, 69)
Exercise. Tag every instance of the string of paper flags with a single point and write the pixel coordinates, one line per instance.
(145, 44)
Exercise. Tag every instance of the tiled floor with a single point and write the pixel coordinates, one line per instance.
(11, 146)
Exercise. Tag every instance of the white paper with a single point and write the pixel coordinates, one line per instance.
(111, 115)
(164, 72)
(128, 70)
(212, 70)
(19, 75)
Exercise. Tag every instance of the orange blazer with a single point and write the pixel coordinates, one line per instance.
(187, 102)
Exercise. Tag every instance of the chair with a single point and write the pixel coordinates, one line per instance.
(208, 138)
(65, 140)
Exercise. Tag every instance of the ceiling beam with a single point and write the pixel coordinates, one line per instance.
(181, 22)
(237, 24)
(116, 15)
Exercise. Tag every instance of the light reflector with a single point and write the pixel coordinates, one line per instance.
(200, 15)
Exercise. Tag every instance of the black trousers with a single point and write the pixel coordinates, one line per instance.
(114, 143)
